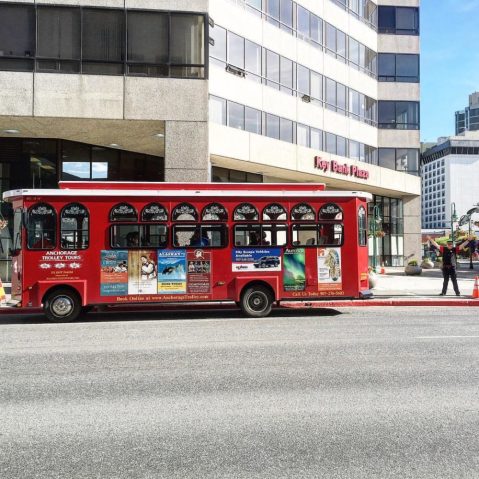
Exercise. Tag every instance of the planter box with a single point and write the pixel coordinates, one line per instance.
(412, 270)
(427, 264)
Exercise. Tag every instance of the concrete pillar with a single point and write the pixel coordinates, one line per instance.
(186, 151)
(412, 228)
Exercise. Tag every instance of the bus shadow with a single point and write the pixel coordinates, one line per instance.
(180, 315)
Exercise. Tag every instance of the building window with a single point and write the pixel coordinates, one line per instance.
(252, 120)
(98, 41)
(80, 161)
(398, 67)
(58, 39)
(223, 175)
(17, 37)
(103, 41)
(400, 159)
(398, 20)
(217, 109)
(236, 115)
(399, 115)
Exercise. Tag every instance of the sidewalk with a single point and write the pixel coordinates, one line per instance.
(395, 283)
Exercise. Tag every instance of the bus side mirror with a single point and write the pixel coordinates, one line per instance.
(14, 252)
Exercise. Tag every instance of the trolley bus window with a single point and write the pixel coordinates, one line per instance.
(330, 211)
(204, 236)
(303, 212)
(259, 235)
(214, 212)
(123, 212)
(125, 236)
(74, 227)
(17, 232)
(362, 227)
(153, 236)
(325, 234)
(41, 227)
(154, 212)
(184, 212)
(274, 212)
(245, 212)
(247, 235)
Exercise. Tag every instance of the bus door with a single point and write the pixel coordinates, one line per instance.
(16, 251)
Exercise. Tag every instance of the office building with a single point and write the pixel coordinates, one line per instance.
(468, 119)
(219, 90)
(450, 179)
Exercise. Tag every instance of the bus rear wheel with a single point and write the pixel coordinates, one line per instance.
(257, 301)
(62, 306)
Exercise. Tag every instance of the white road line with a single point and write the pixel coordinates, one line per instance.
(445, 337)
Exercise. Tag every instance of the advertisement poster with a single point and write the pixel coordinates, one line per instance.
(61, 265)
(142, 272)
(199, 271)
(256, 259)
(172, 271)
(114, 273)
(294, 275)
(329, 269)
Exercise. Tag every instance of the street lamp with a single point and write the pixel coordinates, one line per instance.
(376, 220)
(453, 218)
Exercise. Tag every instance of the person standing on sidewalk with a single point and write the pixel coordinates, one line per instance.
(449, 263)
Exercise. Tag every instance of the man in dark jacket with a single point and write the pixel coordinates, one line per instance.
(449, 263)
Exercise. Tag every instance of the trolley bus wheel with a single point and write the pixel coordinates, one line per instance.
(62, 306)
(257, 301)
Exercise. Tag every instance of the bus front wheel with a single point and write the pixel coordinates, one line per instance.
(62, 306)
(257, 301)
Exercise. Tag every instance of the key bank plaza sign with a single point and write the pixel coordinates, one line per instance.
(340, 168)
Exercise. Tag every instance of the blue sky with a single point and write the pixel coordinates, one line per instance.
(449, 62)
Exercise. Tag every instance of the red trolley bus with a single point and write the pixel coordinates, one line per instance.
(87, 244)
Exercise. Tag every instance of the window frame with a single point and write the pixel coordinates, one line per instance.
(54, 230)
(88, 216)
(123, 204)
(200, 227)
(296, 226)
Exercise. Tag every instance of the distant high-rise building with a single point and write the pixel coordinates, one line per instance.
(449, 177)
(468, 119)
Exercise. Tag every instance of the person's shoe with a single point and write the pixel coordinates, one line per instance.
(442, 294)
(458, 294)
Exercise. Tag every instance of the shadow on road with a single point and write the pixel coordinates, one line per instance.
(159, 315)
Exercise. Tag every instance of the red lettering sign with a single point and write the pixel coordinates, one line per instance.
(340, 169)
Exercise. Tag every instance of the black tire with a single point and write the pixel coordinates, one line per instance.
(62, 306)
(257, 301)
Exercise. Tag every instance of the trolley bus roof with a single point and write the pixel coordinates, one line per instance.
(281, 191)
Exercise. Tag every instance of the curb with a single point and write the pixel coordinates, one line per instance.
(364, 303)
(422, 302)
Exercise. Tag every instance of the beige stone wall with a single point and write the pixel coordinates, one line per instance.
(186, 151)
(412, 227)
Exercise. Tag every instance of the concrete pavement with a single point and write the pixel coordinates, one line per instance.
(395, 283)
(357, 394)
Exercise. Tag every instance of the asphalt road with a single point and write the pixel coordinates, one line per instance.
(339, 394)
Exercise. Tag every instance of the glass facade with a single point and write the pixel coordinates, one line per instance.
(398, 20)
(273, 126)
(251, 61)
(389, 230)
(42, 163)
(398, 115)
(398, 67)
(102, 41)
